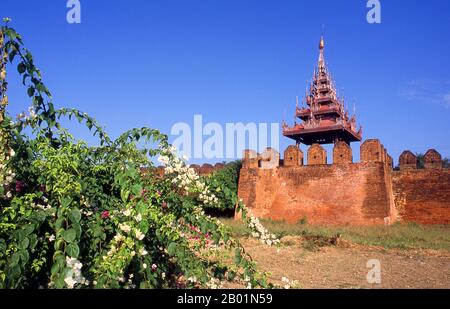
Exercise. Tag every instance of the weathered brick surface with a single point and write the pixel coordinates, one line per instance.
(433, 159)
(407, 161)
(346, 193)
(372, 151)
(317, 155)
(293, 156)
(342, 153)
(423, 196)
(323, 194)
(250, 159)
(390, 161)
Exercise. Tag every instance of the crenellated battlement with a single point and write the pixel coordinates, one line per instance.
(371, 151)
(343, 191)
(432, 160)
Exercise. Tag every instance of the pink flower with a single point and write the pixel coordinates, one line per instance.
(105, 214)
(19, 186)
(154, 267)
(164, 205)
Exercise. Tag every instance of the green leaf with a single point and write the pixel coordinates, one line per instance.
(12, 55)
(69, 235)
(237, 256)
(15, 271)
(24, 243)
(65, 201)
(55, 269)
(77, 228)
(21, 68)
(75, 216)
(33, 241)
(2, 246)
(73, 250)
(172, 249)
(137, 190)
(25, 256)
(15, 258)
(124, 195)
(30, 91)
(59, 259)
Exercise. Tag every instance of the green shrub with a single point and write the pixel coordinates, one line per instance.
(75, 216)
(224, 184)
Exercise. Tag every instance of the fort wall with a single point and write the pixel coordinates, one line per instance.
(365, 193)
(422, 195)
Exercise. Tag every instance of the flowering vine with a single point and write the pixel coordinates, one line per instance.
(78, 216)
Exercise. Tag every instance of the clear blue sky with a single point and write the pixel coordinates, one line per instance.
(154, 63)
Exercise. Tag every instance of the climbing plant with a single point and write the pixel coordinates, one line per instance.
(224, 184)
(74, 215)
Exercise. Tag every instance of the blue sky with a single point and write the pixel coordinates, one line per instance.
(155, 63)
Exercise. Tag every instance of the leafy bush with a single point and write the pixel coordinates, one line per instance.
(75, 216)
(224, 184)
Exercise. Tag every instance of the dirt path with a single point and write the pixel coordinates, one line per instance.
(344, 265)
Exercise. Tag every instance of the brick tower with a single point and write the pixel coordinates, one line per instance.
(324, 120)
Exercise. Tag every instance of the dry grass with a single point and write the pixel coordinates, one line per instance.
(397, 236)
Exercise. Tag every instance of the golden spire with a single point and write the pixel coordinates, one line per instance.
(322, 43)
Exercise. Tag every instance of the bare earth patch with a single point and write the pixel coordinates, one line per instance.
(343, 265)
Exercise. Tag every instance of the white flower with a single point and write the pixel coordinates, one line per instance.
(142, 251)
(126, 212)
(125, 227)
(70, 282)
(139, 234)
(119, 237)
(51, 238)
(12, 153)
(144, 265)
(8, 194)
(138, 218)
(32, 112)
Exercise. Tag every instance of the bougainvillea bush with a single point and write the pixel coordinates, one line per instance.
(77, 216)
(224, 184)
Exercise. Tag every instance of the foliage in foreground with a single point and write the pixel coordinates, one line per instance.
(224, 184)
(77, 216)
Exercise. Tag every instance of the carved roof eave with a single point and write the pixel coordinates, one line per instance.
(300, 130)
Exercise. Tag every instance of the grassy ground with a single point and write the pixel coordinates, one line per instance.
(397, 236)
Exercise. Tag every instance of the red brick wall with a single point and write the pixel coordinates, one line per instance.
(342, 153)
(324, 194)
(423, 196)
(317, 155)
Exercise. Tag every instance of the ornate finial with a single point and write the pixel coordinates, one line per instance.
(322, 43)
